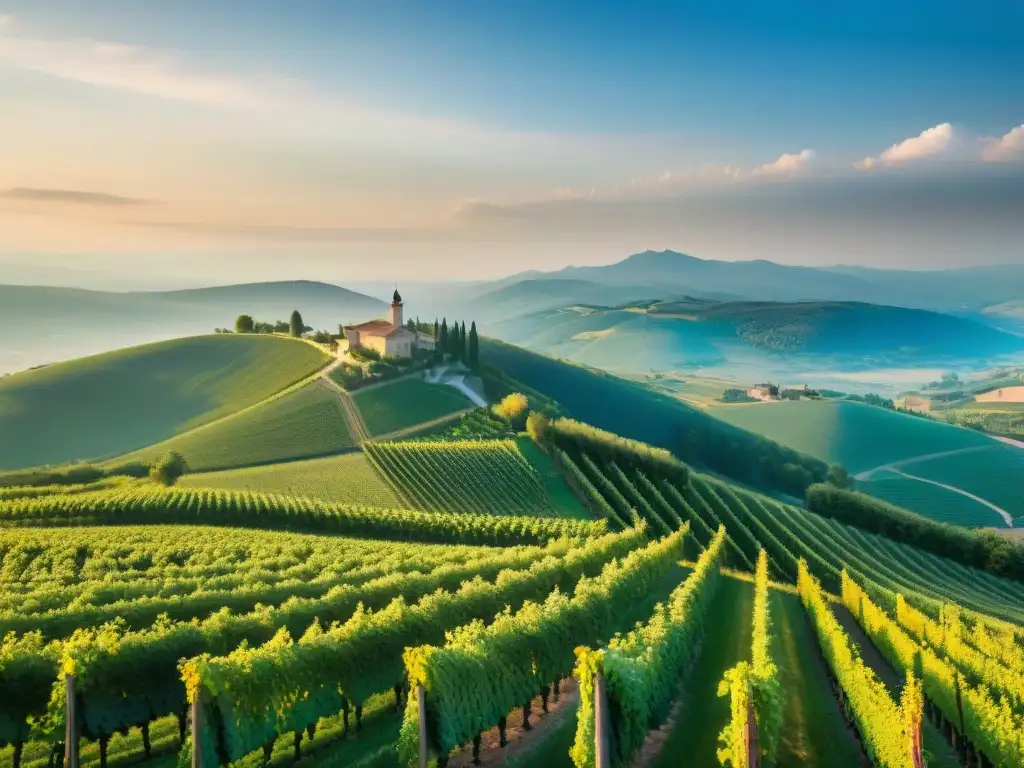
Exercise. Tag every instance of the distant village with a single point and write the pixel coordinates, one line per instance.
(768, 392)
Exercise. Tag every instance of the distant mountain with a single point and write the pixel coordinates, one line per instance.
(41, 325)
(526, 296)
(700, 333)
(953, 290)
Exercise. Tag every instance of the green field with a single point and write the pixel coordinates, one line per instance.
(405, 403)
(858, 436)
(988, 473)
(931, 500)
(348, 478)
(488, 476)
(109, 404)
(300, 424)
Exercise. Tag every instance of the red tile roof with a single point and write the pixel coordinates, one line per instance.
(378, 328)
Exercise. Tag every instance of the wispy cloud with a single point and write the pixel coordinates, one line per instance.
(786, 164)
(1008, 147)
(76, 196)
(928, 143)
(124, 67)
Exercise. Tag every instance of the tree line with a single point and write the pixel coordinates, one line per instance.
(295, 327)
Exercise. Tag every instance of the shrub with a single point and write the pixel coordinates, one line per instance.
(168, 468)
(983, 550)
(537, 425)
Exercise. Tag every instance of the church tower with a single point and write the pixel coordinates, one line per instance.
(396, 309)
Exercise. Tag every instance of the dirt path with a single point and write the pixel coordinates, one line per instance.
(520, 742)
(895, 465)
(348, 407)
(1008, 440)
(1008, 519)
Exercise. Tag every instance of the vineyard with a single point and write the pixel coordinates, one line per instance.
(405, 403)
(267, 620)
(486, 476)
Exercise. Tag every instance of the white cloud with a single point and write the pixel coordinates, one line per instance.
(933, 141)
(786, 164)
(1009, 147)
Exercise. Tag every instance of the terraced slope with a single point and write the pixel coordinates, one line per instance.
(109, 404)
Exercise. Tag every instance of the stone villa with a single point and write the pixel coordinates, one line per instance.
(391, 337)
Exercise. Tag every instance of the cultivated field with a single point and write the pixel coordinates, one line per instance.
(488, 476)
(858, 436)
(302, 423)
(348, 478)
(1003, 395)
(109, 404)
(405, 403)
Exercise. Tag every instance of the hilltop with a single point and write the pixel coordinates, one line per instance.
(115, 402)
(67, 323)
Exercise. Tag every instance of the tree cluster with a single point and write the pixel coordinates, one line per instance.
(73, 474)
(294, 326)
(456, 343)
(983, 550)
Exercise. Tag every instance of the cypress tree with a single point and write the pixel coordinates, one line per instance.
(295, 325)
(442, 342)
(463, 343)
(474, 346)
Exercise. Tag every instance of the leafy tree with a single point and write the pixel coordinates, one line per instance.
(537, 425)
(474, 346)
(244, 324)
(513, 409)
(838, 476)
(296, 326)
(410, 324)
(282, 327)
(168, 468)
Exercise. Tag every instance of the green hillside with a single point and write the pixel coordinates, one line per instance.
(348, 479)
(636, 411)
(304, 423)
(117, 402)
(405, 403)
(856, 435)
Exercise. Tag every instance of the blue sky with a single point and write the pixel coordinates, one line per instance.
(540, 132)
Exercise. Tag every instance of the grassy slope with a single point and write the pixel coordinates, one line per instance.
(931, 500)
(994, 474)
(559, 493)
(405, 403)
(120, 401)
(856, 435)
(348, 478)
(301, 424)
(614, 404)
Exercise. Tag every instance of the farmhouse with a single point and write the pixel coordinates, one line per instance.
(763, 392)
(389, 338)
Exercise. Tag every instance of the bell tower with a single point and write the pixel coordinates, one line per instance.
(396, 309)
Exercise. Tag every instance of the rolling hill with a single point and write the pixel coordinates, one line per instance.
(937, 470)
(692, 333)
(116, 402)
(67, 322)
(636, 411)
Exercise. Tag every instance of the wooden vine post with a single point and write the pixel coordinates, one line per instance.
(421, 706)
(197, 725)
(750, 743)
(916, 743)
(71, 725)
(601, 756)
